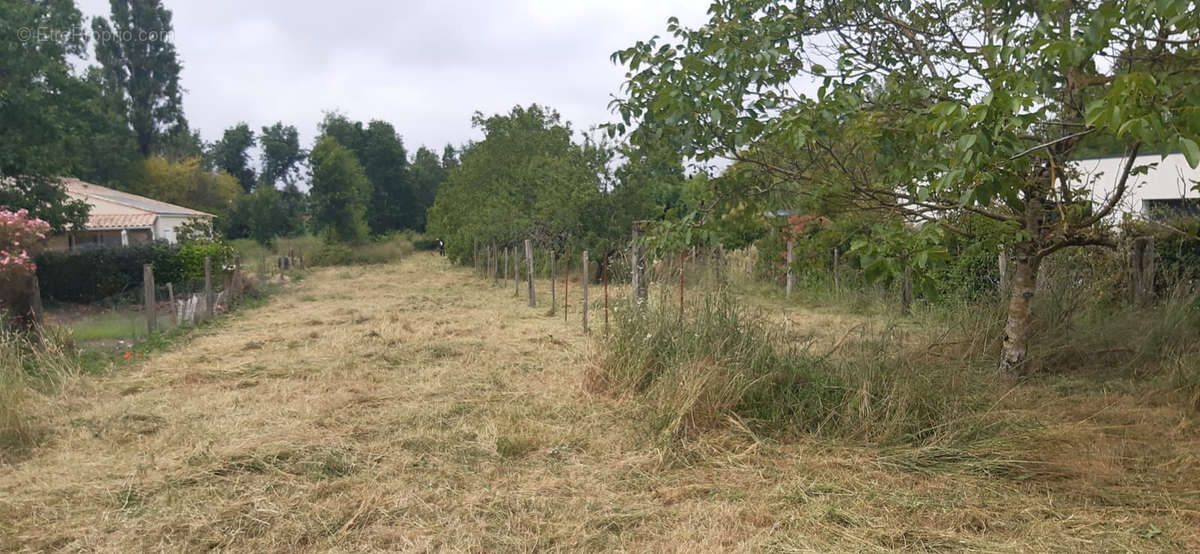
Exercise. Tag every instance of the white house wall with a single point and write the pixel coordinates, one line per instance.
(167, 227)
(1167, 179)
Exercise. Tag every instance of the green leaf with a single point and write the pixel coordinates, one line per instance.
(1191, 151)
(966, 142)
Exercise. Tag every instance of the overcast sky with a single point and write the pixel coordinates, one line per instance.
(423, 65)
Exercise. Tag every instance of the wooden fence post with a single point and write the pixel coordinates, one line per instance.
(641, 288)
(529, 272)
(907, 292)
(586, 270)
(606, 293)
(210, 301)
(682, 265)
(151, 302)
(171, 297)
(504, 261)
(1143, 271)
(791, 259)
(553, 295)
(516, 274)
(566, 285)
(837, 272)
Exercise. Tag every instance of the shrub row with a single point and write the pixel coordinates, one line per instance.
(95, 274)
(89, 275)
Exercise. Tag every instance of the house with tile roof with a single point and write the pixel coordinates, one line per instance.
(119, 218)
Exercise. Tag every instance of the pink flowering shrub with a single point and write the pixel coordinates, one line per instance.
(21, 237)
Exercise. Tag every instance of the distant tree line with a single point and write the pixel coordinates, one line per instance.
(120, 123)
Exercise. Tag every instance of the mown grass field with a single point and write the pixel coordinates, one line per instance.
(414, 407)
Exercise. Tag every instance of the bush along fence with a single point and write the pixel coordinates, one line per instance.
(973, 274)
(101, 274)
(581, 284)
(220, 289)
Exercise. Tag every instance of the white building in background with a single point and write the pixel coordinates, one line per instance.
(1167, 188)
(119, 218)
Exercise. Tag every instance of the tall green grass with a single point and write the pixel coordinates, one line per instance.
(722, 361)
(30, 368)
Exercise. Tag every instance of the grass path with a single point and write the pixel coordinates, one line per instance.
(412, 407)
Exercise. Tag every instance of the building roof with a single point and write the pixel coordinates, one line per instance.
(82, 191)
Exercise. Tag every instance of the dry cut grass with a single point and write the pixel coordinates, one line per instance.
(413, 407)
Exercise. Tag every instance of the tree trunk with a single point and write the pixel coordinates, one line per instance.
(21, 303)
(1014, 354)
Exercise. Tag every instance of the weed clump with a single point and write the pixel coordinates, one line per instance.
(722, 362)
(30, 367)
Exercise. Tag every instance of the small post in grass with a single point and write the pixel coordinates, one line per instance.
(171, 297)
(516, 274)
(907, 292)
(209, 300)
(495, 265)
(151, 302)
(791, 259)
(529, 271)
(586, 269)
(553, 295)
(837, 285)
(606, 293)
(1143, 271)
(566, 285)
(641, 289)
(682, 260)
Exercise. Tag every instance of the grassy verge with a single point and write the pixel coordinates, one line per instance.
(315, 252)
(722, 360)
(32, 369)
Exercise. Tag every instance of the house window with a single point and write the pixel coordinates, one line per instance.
(1171, 208)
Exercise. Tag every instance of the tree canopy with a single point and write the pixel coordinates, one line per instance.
(340, 192)
(37, 93)
(134, 48)
(960, 106)
(231, 155)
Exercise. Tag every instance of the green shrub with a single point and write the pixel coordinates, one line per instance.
(192, 259)
(425, 245)
(93, 274)
(332, 254)
(1084, 320)
(381, 250)
(973, 273)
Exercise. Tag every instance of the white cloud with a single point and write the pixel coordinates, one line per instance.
(424, 65)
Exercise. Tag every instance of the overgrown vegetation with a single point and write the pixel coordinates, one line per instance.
(722, 360)
(924, 380)
(31, 369)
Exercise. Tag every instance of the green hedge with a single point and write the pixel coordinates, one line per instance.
(191, 259)
(93, 274)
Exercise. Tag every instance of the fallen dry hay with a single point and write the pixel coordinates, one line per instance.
(413, 407)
